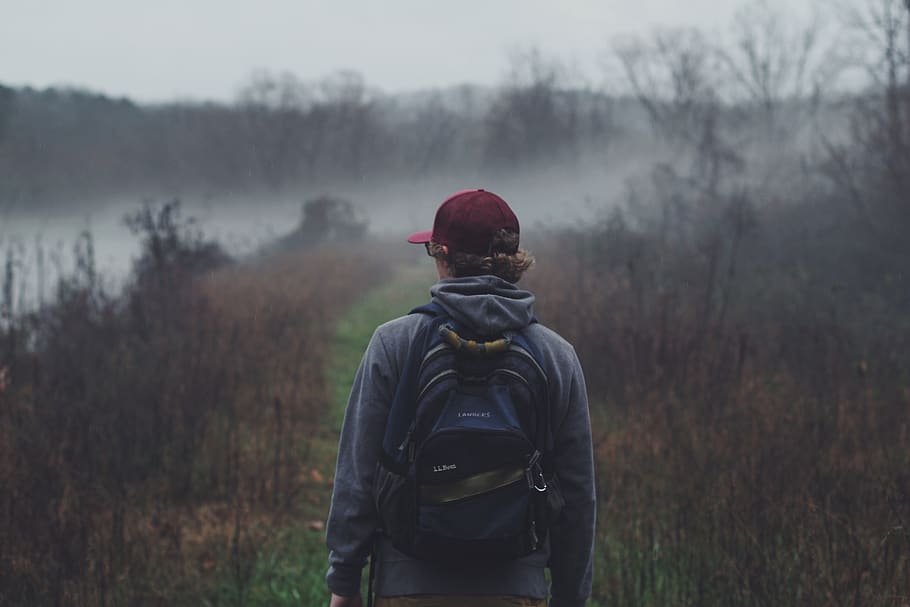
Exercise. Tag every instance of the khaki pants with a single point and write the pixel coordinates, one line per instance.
(427, 600)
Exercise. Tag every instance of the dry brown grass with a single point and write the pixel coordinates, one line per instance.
(741, 460)
(152, 441)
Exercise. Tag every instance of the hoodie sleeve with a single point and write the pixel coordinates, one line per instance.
(572, 541)
(352, 517)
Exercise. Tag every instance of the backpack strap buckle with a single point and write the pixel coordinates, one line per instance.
(534, 473)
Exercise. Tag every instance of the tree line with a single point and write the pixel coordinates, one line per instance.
(284, 132)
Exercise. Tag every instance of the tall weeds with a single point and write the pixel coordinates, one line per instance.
(150, 437)
(750, 431)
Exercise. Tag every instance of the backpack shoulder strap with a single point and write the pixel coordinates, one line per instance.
(431, 309)
(544, 439)
(401, 411)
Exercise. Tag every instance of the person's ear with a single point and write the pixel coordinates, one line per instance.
(445, 249)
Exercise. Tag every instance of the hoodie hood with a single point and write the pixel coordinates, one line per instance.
(486, 304)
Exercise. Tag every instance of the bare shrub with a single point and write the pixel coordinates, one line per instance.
(147, 437)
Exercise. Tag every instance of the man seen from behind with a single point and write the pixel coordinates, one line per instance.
(465, 465)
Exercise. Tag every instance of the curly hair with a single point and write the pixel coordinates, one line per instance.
(505, 260)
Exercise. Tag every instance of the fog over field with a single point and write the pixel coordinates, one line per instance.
(550, 118)
(242, 224)
(568, 156)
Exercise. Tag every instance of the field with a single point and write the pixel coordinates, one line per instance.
(741, 462)
(175, 445)
(736, 288)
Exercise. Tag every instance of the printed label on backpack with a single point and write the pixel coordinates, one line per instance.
(493, 408)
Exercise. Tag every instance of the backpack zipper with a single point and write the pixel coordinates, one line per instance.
(511, 373)
(433, 353)
(407, 436)
(435, 380)
(527, 355)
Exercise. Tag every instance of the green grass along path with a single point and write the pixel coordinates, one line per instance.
(290, 570)
(409, 288)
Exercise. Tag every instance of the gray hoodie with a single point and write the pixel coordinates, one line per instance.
(491, 306)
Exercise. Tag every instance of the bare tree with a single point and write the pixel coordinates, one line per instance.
(349, 111)
(273, 107)
(775, 61)
(534, 115)
(434, 129)
(729, 102)
(296, 129)
(675, 76)
(874, 168)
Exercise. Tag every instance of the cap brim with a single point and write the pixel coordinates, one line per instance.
(421, 237)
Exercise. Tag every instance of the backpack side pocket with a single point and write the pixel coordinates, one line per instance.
(395, 498)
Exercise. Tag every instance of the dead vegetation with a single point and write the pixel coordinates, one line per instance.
(153, 437)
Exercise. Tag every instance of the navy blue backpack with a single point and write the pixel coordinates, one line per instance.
(464, 469)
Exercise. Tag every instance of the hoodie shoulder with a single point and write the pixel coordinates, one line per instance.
(550, 339)
(407, 324)
(397, 334)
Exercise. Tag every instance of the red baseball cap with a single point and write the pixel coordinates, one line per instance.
(467, 221)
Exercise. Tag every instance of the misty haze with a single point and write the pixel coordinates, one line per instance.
(199, 235)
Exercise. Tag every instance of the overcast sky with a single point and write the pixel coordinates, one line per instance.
(204, 49)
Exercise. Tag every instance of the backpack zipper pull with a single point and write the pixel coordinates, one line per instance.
(534, 472)
(407, 437)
